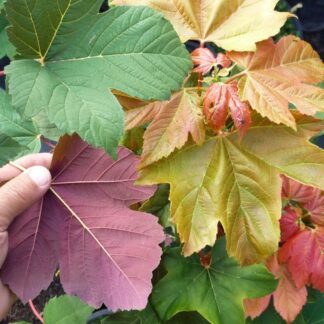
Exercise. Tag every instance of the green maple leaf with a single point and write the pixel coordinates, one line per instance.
(72, 57)
(8, 149)
(216, 291)
(159, 205)
(146, 316)
(6, 48)
(238, 184)
(15, 127)
(66, 310)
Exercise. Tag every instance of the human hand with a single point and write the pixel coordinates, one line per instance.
(19, 191)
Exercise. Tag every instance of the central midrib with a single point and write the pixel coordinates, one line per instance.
(94, 237)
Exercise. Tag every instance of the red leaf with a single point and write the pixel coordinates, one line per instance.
(223, 60)
(289, 223)
(240, 111)
(293, 190)
(215, 106)
(303, 254)
(288, 299)
(218, 98)
(255, 307)
(106, 251)
(315, 206)
(204, 60)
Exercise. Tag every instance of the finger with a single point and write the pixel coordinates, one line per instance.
(21, 193)
(8, 172)
(3, 246)
(6, 301)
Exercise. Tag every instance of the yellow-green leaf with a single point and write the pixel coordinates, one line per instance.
(237, 184)
(233, 25)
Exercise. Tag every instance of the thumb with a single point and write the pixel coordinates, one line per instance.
(6, 301)
(21, 193)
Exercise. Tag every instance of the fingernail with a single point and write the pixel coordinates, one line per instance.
(40, 175)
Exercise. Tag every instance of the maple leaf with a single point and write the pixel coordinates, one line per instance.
(293, 190)
(15, 126)
(289, 223)
(279, 74)
(57, 57)
(311, 199)
(218, 99)
(68, 309)
(173, 121)
(9, 148)
(6, 48)
(288, 299)
(238, 183)
(231, 25)
(106, 252)
(315, 207)
(205, 60)
(304, 256)
(304, 242)
(255, 307)
(215, 291)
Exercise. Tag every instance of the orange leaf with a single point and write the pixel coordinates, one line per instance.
(255, 307)
(204, 60)
(279, 74)
(142, 115)
(171, 126)
(288, 299)
(218, 98)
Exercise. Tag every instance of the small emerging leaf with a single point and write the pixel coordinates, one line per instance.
(218, 99)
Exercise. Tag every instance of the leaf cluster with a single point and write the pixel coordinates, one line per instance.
(226, 136)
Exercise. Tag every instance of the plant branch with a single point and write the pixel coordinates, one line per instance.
(195, 88)
(34, 310)
(234, 77)
(200, 76)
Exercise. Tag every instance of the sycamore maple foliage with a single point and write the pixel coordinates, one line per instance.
(300, 259)
(88, 203)
(226, 136)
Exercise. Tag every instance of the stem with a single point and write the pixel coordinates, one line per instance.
(2, 73)
(34, 310)
(47, 142)
(235, 77)
(200, 75)
(195, 88)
